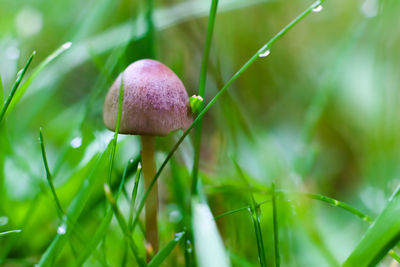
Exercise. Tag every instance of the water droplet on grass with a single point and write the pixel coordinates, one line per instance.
(3, 220)
(66, 45)
(62, 229)
(76, 142)
(317, 9)
(178, 236)
(175, 216)
(265, 54)
(370, 8)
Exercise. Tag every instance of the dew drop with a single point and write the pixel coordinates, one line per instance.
(317, 9)
(29, 21)
(76, 142)
(3, 220)
(178, 236)
(19, 72)
(62, 229)
(175, 216)
(67, 45)
(265, 54)
(12, 52)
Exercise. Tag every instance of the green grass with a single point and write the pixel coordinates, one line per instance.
(314, 109)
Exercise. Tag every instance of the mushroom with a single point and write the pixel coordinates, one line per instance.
(155, 104)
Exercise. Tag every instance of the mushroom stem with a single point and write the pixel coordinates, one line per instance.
(151, 208)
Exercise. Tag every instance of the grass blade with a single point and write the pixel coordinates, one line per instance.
(255, 215)
(118, 122)
(1, 90)
(124, 227)
(380, 237)
(102, 229)
(218, 95)
(231, 212)
(210, 250)
(10, 232)
(36, 72)
(134, 194)
(10, 97)
(276, 229)
(159, 258)
(201, 92)
(49, 178)
(75, 209)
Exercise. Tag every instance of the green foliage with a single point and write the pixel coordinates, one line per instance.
(311, 119)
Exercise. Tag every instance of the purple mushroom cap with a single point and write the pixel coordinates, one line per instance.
(155, 101)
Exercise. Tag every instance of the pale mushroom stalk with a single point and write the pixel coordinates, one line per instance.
(149, 171)
(155, 104)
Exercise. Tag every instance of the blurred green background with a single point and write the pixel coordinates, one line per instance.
(320, 114)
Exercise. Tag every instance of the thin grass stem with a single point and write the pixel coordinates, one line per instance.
(10, 97)
(255, 212)
(202, 91)
(49, 177)
(134, 194)
(36, 72)
(275, 226)
(232, 212)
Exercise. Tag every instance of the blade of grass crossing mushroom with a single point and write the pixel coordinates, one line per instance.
(124, 227)
(202, 90)
(276, 228)
(159, 258)
(37, 71)
(13, 91)
(218, 95)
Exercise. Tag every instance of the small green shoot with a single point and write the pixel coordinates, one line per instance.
(195, 103)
